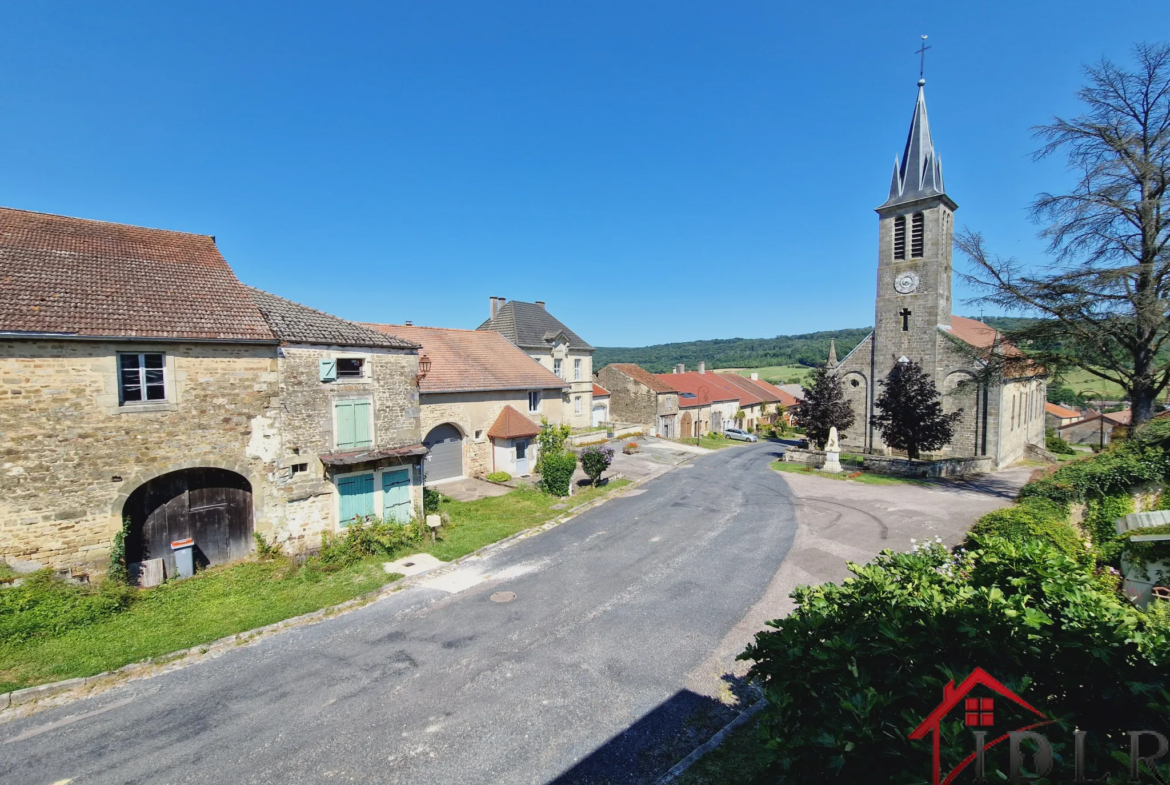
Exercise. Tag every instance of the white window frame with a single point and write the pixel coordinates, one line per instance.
(365, 368)
(557, 367)
(144, 401)
(533, 396)
(577, 404)
(577, 370)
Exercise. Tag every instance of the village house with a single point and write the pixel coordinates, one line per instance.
(477, 390)
(1056, 416)
(1096, 429)
(347, 442)
(639, 397)
(536, 331)
(706, 402)
(138, 381)
(600, 405)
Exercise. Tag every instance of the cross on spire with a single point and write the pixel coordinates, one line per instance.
(922, 59)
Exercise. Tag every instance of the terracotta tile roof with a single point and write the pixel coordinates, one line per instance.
(473, 360)
(91, 278)
(774, 393)
(600, 392)
(1123, 417)
(705, 386)
(642, 376)
(296, 323)
(749, 394)
(1056, 410)
(981, 336)
(511, 424)
(531, 326)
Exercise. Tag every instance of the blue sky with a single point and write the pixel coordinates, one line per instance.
(655, 171)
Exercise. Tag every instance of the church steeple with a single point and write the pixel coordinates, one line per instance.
(832, 354)
(919, 174)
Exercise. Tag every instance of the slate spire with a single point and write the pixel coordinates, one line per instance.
(832, 353)
(919, 173)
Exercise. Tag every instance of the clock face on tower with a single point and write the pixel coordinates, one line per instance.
(905, 283)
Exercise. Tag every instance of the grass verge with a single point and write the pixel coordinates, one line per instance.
(849, 476)
(51, 630)
(741, 759)
(473, 525)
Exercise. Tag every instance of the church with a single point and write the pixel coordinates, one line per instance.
(913, 322)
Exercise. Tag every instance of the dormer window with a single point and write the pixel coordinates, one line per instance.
(917, 236)
(900, 237)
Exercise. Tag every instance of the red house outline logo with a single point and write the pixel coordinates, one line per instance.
(978, 712)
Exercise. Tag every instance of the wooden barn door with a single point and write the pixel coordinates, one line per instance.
(213, 506)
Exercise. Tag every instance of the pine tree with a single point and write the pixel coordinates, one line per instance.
(909, 413)
(824, 407)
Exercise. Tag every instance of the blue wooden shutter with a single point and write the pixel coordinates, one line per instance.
(345, 426)
(328, 370)
(396, 496)
(357, 496)
(361, 424)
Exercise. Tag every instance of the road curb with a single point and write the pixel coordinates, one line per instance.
(23, 702)
(681, 767)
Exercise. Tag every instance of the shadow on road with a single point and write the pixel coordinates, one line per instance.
(647, 749)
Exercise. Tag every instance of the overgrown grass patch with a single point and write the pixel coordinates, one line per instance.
(50, 630)
(866, 478)
(472, 525)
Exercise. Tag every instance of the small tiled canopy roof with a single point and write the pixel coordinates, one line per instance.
(511, 424)
(296, 323)
(466, 360)
(600, 392)
(642, 376)
(78, 277)
(531, 326)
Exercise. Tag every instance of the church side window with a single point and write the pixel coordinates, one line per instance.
(917, 235)
(900, 237)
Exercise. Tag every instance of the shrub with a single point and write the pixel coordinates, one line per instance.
(430, 501)
(264, 550)
(1033, 519)
(858, 665)
(1113, 471)
(119, 571)
(362, 539)
(550, 441)
(1057, 445)
(1101, 514)
(499, 477)
(595, 460)
(558, 473)
(1142, 554)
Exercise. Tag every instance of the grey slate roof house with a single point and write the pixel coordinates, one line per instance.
(348, 443)
(548, 341)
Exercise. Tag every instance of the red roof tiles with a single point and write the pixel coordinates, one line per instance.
(1056, 410)
(642, 376)
(600, 392)
(511, 424)
(473, 360)
(90, 278)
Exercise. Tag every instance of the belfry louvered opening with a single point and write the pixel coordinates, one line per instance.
(900, 237)
(917, 235)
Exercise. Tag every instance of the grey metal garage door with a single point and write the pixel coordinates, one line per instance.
(444, 454)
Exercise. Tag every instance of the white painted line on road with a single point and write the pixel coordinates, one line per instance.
(28, 734)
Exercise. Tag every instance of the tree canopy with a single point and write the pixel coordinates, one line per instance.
(909, 413)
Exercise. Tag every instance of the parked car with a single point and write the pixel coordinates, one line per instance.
(740, 435)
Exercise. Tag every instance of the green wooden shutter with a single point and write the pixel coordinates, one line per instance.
(345, 426)
(396, 496)
(328, 369)
(361, 424)
(357, 496)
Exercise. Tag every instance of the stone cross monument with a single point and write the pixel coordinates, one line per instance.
(832, 453)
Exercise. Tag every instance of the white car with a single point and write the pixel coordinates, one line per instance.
(739, 435)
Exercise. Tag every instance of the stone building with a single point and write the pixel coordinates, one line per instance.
(546, 340)
(473, 376)
(347, 441)
(913, 321)
(706, 401)
(640, 397)
(137, 379)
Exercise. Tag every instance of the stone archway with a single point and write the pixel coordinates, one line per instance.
(210, 505)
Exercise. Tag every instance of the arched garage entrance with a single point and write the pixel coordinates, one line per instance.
(444, 459)
(213, 506)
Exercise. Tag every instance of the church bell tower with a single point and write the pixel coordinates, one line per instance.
(915, 233)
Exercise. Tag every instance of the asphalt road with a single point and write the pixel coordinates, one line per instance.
(602, 669)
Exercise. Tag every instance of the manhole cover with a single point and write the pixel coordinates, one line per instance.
(503, 596)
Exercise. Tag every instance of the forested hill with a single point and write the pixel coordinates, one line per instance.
(809, 349)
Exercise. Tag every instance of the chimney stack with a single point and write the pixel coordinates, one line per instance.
(409, 323)
(755, 376)
(495, 305)
(541, 303)
(702, 366)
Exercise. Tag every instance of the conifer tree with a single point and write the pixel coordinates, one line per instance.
(909, 413)
(824, 407)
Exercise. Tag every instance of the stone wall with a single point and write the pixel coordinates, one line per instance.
(630, 401)
(814, 458)
(473, 413)
(1021, 418)
(943, 467)
(70, 455)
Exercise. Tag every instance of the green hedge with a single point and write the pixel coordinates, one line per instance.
(857, 666)
(1030, 520)
(558, 473)
(499, 477)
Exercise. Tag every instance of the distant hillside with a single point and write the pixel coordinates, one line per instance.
(809, 350)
